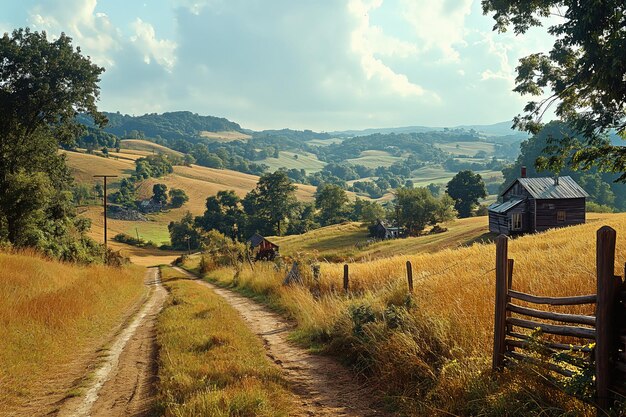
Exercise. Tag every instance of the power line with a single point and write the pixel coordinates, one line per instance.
(104, 203)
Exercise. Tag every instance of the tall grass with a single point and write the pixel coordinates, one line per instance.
(211, 364)
(431, 351)
(50, 314)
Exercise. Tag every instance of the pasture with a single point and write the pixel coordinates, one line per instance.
(294, 160)
(225, 136)
(436, 343)
(374, 159)
(467, 148)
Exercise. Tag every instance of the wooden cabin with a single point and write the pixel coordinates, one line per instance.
(262, 248)
(531, 205)
(383, 231)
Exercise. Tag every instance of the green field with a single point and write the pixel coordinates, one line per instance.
(349, 241)
(287, 159)
(466, 148)
(374, 159)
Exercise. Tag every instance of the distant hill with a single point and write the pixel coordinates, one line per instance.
(497, 129)
(171, 126)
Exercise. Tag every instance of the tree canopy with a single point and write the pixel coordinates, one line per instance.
(583, 72)
(43, 85)
(466, 188)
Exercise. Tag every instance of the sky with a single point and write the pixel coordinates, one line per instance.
(323, 65)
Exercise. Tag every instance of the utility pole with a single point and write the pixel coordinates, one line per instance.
(104, 203)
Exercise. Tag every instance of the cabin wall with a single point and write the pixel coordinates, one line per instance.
(547, 212)
(498, 223)
(516, 191)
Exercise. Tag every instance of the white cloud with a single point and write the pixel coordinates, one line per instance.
(161, 50)
(94, 32)
(438, 25)
(369, 41)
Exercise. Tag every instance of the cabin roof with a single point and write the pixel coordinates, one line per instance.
(544, 188)
(505, 206)
(256, 239)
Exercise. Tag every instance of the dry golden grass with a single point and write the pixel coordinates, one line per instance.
(84, 166)
(210, 363)
(225, 136)
(148, 147)
(51, 314)
(442, 347)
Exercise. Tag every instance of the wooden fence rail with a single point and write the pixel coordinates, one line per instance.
(607, 328)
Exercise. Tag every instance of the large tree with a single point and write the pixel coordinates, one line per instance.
(224, 213)
(331, 200)
(466, 188)
(415, 208)
(44, 84)
(272, 203)
(582, 75)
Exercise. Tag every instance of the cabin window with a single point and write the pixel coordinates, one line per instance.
(516, 221)
(561, 216)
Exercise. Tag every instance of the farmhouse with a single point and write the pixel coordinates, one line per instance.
(535, 204)
(383, 231)
(262, 248)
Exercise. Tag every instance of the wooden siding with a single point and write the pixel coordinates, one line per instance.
(516, 191)
(547, 213)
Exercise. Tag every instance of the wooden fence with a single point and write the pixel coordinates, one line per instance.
(607, 329)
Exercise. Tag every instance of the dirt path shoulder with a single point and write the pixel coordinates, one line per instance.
(123, 382)
(324, 387)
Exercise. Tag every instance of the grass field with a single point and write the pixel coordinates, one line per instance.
(225, 136)
(374, 159)
(148, 147)
(210, 363)
(467, 148)
(52, 313)
(438, 175)
(350, 241)
(287, 159)
(431, 352)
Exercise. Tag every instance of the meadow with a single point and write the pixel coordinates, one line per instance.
(351, 241)
(51, 316)
(288, 159)
(431, 351)
(209, 368)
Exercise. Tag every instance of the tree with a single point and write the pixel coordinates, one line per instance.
(415, 208)
(584, 73)
(272, 202)
(178, 197)
(43, 85)
(159, 194)
(331, 201)
(466, 188)
(224, 213)
(183, 234)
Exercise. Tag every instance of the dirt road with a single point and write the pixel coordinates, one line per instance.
(122, 383)
(324, 387)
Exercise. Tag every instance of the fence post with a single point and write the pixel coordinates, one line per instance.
(605, 341)
(345, 278)
(509, 284)
(499, 331)
(409, 275)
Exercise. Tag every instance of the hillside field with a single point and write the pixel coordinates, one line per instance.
(51, 316)
(437, 343)
(225, 136)
(147, 146)
(288, 159)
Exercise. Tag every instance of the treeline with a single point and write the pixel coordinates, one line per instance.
(272, 209)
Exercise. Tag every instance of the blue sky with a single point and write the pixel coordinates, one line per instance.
(322, 65)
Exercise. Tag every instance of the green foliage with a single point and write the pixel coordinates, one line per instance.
(272, 203)
(178, 197)
(466, 188)
(367, 211)
(159, 194)
(125, 195)
(584, 73)
(183, 234)
(331, 200)
(42, 86)
(82, 194)
(415, 208)
(224, 213)
(130, 240)
(153, 166)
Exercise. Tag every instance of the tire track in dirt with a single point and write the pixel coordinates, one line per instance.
(123, 382)
(323, 386)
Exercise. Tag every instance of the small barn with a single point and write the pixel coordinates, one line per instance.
(382, 230)
(531, 205)
(261, 248)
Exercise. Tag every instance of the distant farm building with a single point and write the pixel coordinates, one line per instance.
(535, 204)
(262, 249)
(383, 231)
